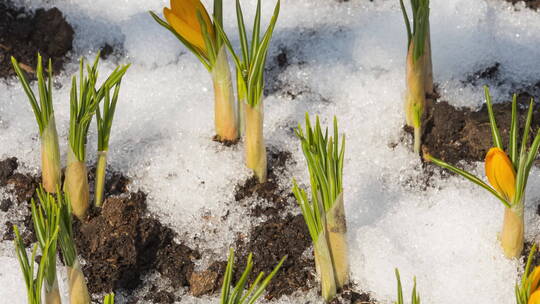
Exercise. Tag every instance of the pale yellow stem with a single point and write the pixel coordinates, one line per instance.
(415, 94)
(513, 231)
(100, 178)
(225, 119)
(337, 241)
(50, 157)
(52, 294)
(255, 146)
(324, 267)
(76, 185)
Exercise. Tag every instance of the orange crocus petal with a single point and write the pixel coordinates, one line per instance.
(198, 6)
(534, 278)
(535, 298)
(183, 29)
(500, 173)
(186, 10)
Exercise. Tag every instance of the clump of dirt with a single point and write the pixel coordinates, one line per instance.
(120, 243)
(349, 296)
(532, 4)
(454, 134)
(225, 142)
(23, 34)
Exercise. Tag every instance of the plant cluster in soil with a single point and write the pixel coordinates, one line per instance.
(122, 243)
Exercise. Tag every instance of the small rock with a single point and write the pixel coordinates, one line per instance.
(6, 204)
(7, 167)
(203, 282)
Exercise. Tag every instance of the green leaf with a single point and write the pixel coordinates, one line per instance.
(497, 141)
(470, 177)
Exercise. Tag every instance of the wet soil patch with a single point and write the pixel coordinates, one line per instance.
(272, 240)
(121, 243)
(454, 134)
(276, 198)
(23, 34)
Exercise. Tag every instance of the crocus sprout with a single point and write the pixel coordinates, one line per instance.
(34, 280)
(83, 105)
(46, 219)
(250, 77)
(104, 120)
(419, 77)
(528, 292)
(189, 21)
(78, 291)
(44, 112)
(325, 213)
(236, 295)
(415, 297)
(508, 173)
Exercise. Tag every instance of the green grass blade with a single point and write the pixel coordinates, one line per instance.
(470, 177)
(497, 141)
(513, 145)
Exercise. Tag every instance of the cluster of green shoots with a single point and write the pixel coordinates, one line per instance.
(325, 213)
(236, 295)
(53, 227)
(85, 100)
(189, 21)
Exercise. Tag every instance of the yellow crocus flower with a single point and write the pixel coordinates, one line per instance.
(500, 173)
(535, 298)
(534, 278)
(182, 17)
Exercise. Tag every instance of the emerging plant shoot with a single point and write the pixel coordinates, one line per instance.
(250, 77)
(34, 280)
(46, 219)
(508, 173)
(104, 120)
(78, 291)
(325, 213)
(415, 297)
(189, 21)
(419, 79)
(83, 106)
(236, 295)
(44, 112)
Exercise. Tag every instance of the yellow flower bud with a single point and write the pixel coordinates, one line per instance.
(182, 17)
(500, 173)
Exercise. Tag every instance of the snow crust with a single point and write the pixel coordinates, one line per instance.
(346, 59)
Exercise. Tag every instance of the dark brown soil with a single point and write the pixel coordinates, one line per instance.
(269, 191)
(120, 243)
(23, 34)
(532, 4)
(269, 242)
(453, 134)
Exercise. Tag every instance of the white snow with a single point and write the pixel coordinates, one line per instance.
(347, 59)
